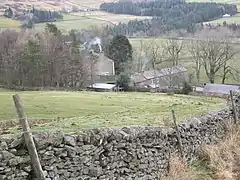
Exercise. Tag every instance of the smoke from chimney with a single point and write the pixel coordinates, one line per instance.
(96, 41)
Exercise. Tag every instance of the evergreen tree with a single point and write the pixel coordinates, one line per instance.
(167, 15)
(123, 80)
(32, 61)
(8, 13)
(120, 50)
(52, 28)
(28, 24)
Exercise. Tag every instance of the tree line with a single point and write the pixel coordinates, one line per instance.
(167, 15)
(41, 59)
(32, 16)
(51, 59)
(45, 15)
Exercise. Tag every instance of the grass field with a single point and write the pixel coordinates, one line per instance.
(232, 19)
(186, 58)
(53, 5)
(90, 3)
(83, 20)
(91, 19)
(74, 22)
(72, 111)
(8, 23)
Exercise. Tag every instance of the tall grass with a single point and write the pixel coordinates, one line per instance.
(224, 158)
(179, 170)
(217, 162)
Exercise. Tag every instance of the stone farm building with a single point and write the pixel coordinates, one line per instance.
(98, 67)
(104, 66)
(162, 79)
(102, 70)
(219, 89)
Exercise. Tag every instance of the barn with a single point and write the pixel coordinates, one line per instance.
(219, 89)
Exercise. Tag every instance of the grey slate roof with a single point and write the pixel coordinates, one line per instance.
(140, 77)
(219, 88)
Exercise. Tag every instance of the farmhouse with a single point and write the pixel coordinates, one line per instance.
(99, 67)
(219, 89)
(162, 79)
(104, 66)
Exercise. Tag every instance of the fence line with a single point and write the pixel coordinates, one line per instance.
(35, 162)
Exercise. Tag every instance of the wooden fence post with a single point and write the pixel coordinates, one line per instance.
(233, 108)
(28, 138)
(178, 134)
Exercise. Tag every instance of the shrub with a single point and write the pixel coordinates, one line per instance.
(187, 88)
(123, 80)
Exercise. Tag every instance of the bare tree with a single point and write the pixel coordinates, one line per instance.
(36, 59)
(171, 49)
(229, 70)
(215, 56)
(213, 51)
(194, 50)
(140, 58)
(154, 52)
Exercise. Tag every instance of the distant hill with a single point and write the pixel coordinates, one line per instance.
(53, 5)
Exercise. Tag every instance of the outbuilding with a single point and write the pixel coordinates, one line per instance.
(103, 87)
(219, 89)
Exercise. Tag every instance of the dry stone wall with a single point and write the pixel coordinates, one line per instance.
(128, 153)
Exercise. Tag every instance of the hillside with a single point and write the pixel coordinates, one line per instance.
(42, 4)
(81, 14)
(84, 20)
(94, 17)
(167, 15)
(70, 111)
(51, 4)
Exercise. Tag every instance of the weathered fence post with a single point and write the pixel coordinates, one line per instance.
(233, 108)
(28, 138)
(178, 134)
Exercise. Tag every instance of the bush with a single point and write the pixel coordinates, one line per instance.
(123, 80)
(187, 88)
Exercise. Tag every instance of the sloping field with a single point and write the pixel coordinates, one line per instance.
(50, 4)
(71, 111)
(8, 23)
(110, 18)
(229, 20)
(84, 20)
(74, 22)
(91, 3)
(28, 4)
